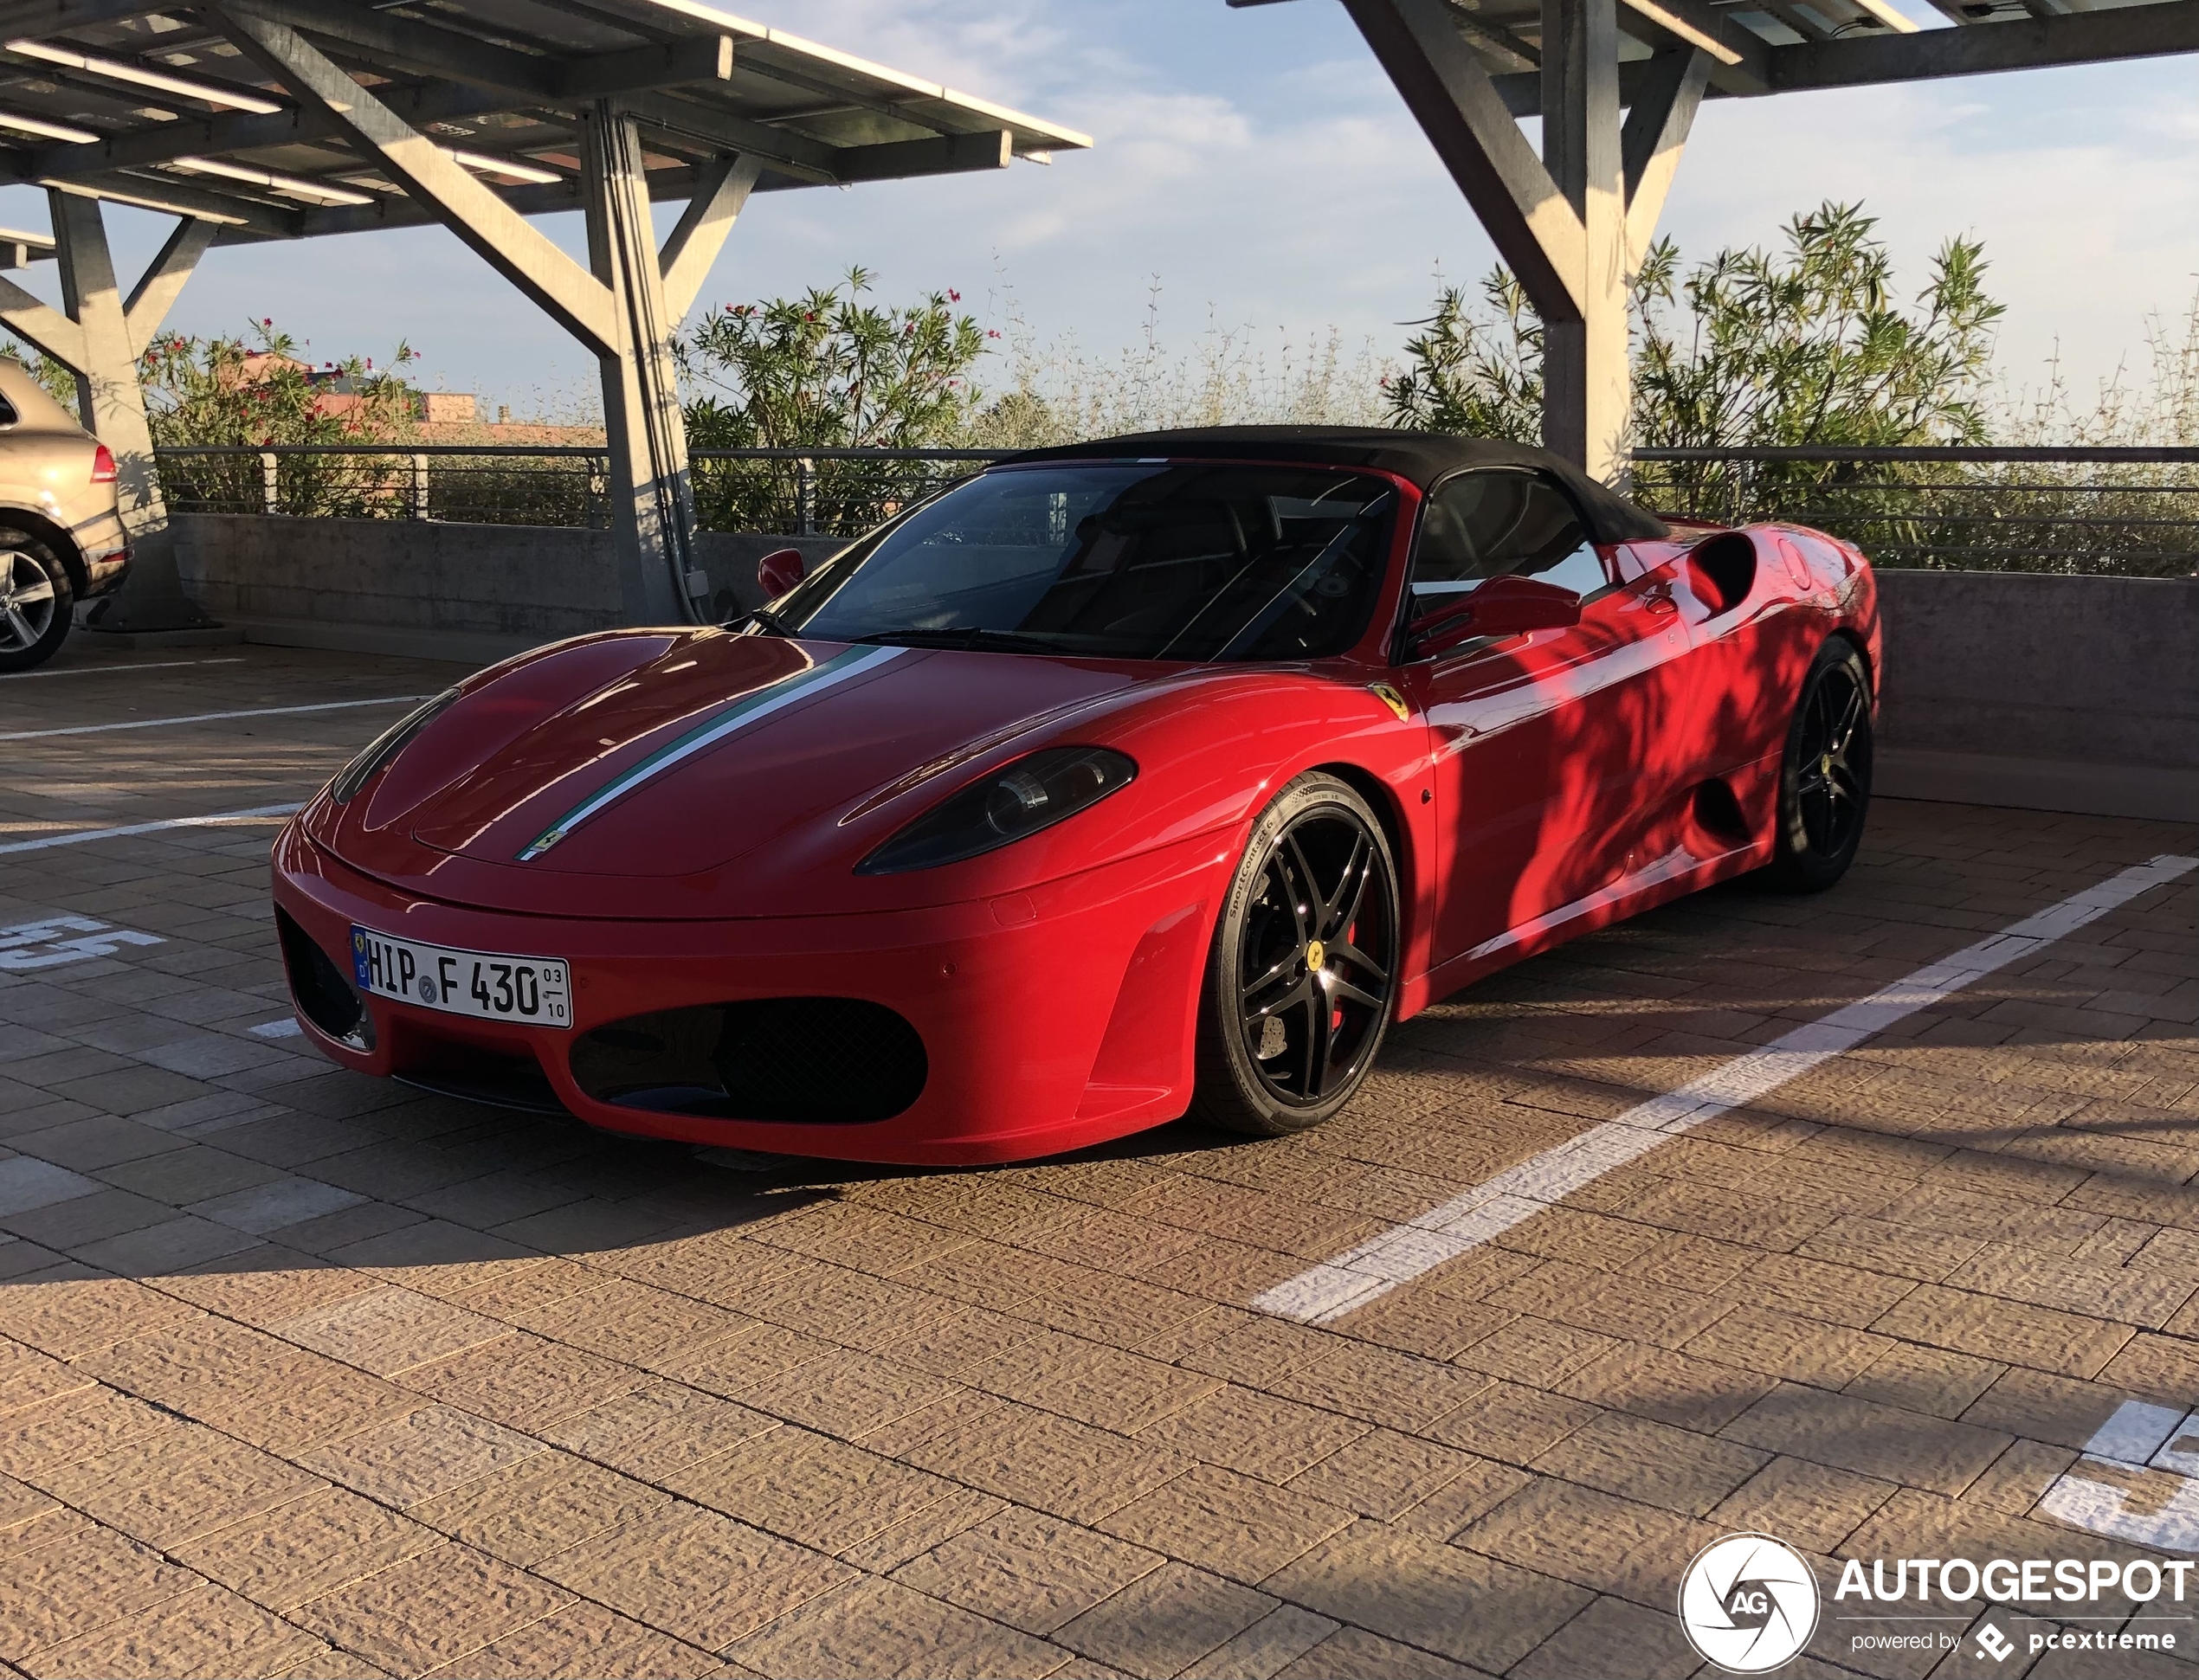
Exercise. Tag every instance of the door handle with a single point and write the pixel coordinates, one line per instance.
(1663, 605)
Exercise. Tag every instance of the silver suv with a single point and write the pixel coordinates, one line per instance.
(60, 539)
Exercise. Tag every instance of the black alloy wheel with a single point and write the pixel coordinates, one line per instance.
(35, 601)
(1303, 977)
(1825, 777)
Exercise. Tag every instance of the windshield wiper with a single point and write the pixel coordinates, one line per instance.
(764, 618)
(961, 636)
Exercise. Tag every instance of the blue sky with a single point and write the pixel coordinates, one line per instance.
(1258, 166)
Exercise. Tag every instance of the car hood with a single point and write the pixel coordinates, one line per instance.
(633, 770)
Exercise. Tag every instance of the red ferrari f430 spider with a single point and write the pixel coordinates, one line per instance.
(1145, 778)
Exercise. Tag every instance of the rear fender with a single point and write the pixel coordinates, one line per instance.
(55, 536)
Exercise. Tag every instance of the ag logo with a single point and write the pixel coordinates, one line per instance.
(1748, 1603)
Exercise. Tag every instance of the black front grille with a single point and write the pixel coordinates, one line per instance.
(806, 1061)
(323, 990)
(483, 1076)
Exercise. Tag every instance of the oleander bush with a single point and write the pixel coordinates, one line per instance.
(1812, 344)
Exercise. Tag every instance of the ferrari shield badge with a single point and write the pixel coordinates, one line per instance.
(1391, 698)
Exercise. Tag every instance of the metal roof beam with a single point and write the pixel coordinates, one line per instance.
(1535, 230)
(678, 64)
(1739, 57)
(575, 297)
(941, 154)
(797, 154)
(721, 192)
(2159, 30)
(2031, 43)
(179, 198)
(158, 288)
(196, 136)
(408, 44)
(45, 329)
(396, 212)
(1656, 134)
(45, 17)
(425, 49)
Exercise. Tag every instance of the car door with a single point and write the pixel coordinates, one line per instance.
(1546, 744)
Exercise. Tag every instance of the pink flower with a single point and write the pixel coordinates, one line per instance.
(992, 333)
(953, 296)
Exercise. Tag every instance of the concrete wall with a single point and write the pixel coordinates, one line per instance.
(2054, 693)
(456, 591)
(2057, 693)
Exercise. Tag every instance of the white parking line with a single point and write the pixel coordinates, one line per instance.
(257, 813)
(93, 670)
(2138, 1439)
(1324, 1293)
(208, 718)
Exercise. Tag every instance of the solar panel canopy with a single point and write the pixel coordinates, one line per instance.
(161, 107)
(1759, 46)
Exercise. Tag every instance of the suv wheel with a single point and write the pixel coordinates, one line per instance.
(35, 601)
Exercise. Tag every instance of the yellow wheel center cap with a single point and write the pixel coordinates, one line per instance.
(1316, 954)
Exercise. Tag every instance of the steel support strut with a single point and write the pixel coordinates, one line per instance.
(112, 402)
(1586, 383)
(1573, 224)
(618, 310)
(652, 502)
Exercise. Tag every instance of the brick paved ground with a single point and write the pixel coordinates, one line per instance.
(306, 1374)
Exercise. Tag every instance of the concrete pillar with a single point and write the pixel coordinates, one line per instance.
(652, 503)
(1587, 382)
(114, 409)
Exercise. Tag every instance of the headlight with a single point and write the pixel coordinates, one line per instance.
(384, 747)
(1021, 798)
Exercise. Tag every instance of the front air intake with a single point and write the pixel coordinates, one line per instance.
(323, 991)
(796, 1061)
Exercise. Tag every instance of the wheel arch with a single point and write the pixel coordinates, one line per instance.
(55, 537)
(1848, 634)
(1417, 893)
(1384, 802)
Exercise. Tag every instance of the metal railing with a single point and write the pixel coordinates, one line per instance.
(833, 492)
(2129, 511)
(2124, 511)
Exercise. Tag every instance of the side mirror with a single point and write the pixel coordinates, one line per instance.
(779, 571)
(1501, 607)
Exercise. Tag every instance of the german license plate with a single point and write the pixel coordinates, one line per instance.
(530, 990)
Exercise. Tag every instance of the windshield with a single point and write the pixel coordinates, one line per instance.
(1117, 560)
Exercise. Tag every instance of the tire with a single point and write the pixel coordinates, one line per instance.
(36, 600)
(1825, 775)
(1282, 1047)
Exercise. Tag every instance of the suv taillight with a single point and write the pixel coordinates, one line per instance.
(103, 465)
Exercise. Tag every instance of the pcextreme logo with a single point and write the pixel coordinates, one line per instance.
(1748, 1603)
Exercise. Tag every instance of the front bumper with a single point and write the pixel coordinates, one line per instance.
(1050, 1020)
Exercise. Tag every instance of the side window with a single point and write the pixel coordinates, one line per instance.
(1481, 526)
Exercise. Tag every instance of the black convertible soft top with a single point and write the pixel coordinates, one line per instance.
(1421, 458)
